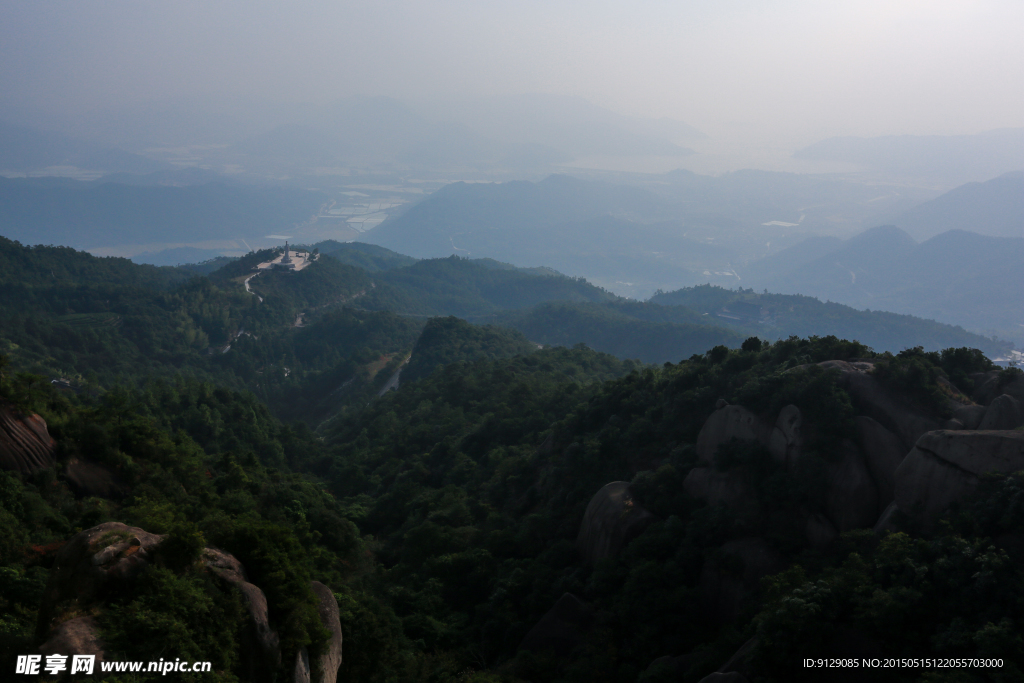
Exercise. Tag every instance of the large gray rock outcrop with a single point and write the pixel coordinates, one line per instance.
(944, 466)
(786, 440)
(725, 424)
(79, 636)
(562, 628)
(714, 487)
(818, 531)
(907, 421)
(883, 453)
(990, 385)
(718, 677)
(970, 416)
(25, 444)
(1005, 412)
(611, 521)
(262, 640)
(93, 561)
(852, 501)
(327, 607)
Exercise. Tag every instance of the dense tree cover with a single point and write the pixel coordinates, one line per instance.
(466, 288)
(614, 329)
(47, 266)
(369, 257)
(444, 515)
(449, 340)
(793, 314)
(197, 460)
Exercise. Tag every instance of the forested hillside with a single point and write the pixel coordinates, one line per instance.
(507, 513)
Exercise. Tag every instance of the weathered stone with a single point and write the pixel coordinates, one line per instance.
(733, 577)
(886, 521)
(986, 386)
(945, 466)
(25, 444)
(301, 672)
(262, 641)
(883, 453)
(79, 636)
(786, 440)
(713, 487)
(105, 557)
(741, 660)
(819, 531)
(992, 384)
(907, 421)
(562, 628)
(327, 607)
(731, 677)
(611, 521)
(674, 665)
(852, 501)
(726, 424)
(970, 416)
(1005, 412)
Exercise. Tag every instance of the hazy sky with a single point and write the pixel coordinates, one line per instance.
(787, 71)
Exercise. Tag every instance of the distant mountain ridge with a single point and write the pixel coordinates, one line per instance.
(994, 208)
(954, 158)
(958, 277)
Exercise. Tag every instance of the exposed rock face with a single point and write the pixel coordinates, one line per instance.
(718, 677)
(819, 531)
(852, 497)
(725, 424)
(870, 398)
(714, 487)
(611, 521)
(886, 521)
(563, 627)
(944, 466)
(786, 440)
(992, 384)
(327, 607)
(740, 663)
(986, 386)
(107, 558)
(25, 445)
(80, 636)
(93, 561)
(674, 665)
(302, 672)
(970, 416)
(883, 453)
(1005, 412)
(261, 639)
(732, 578)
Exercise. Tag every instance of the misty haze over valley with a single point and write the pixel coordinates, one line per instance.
(456, 337)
